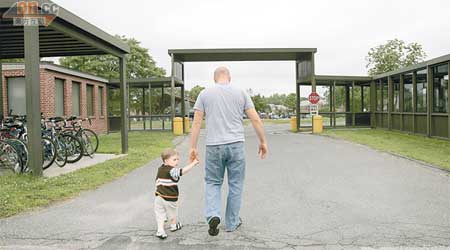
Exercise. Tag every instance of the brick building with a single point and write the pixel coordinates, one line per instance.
(64, 92)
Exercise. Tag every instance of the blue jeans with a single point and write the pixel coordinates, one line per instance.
(218, 158)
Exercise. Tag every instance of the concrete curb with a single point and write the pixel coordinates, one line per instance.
(424, 164)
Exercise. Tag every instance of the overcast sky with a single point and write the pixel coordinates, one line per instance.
(342, 31)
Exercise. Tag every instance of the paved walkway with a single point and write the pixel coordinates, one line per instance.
(313, 192)
(85, 162)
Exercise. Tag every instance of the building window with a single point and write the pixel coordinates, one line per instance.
(59, 97)
(90, 99)
(76, 98)
(16, 96)
(396, 93)
(407, 92)
(440, 88)
(100, 100)
(421, 92)
(385, 90)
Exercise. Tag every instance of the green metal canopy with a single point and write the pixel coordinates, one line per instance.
(241, 54)
(67, 35)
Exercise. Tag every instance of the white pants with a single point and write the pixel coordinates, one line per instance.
(165, 209)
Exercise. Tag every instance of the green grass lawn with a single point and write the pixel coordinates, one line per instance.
(430, 150)
(278, 121)
(19, 193)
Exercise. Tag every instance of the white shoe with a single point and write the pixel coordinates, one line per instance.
(175, 227)
(161, 235)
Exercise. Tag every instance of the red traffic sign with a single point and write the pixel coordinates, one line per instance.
(314, 98)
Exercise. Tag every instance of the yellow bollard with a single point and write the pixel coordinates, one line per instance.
(177, 126)
(187, 124)
(294, 123)
(317, 124)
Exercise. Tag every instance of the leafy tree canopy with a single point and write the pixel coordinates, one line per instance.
(139, 63)
(393, 55)
(195, 91)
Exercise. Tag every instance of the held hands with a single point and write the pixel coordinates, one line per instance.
(193, 156)
(195, 162)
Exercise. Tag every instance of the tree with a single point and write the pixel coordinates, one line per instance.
(259, 102)
(139, 65)
(195, 91)
(393, 55)
(290, 102)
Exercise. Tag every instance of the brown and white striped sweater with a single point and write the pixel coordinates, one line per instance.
(166, 182)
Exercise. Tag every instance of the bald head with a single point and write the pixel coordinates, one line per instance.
(222, 75)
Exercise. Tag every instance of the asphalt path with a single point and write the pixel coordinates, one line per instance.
(313, 192)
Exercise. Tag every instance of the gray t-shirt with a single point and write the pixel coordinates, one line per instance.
(224, 107)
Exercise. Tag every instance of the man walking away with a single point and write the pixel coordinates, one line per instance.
(223, 106)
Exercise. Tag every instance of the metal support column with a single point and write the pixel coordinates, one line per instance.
(297, 111)
(150, 105)
(390, 99)
(143, 106)
(373, 104)
(362, 98)
(172, 90)
(353, 104)
(347, 104)
(108, 100)
(402, 87)
(414, 97)
(334, 103)
(183, 108)
(1, 89)
(124, 109)
(33, 103)
(297, 91)
(162, 107)
(448, 104)
(429, 99)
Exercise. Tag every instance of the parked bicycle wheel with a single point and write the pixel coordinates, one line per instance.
(61, 153)
(74, 147)
(9, 158)
(48, 152)
(90, 141)
(21, 149)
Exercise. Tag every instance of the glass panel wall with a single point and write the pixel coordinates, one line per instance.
(384, 83)
(341, 102)
(325, 98)
(408, 92)
(440, 88)
(356, 99)
(379, 93)
(366, 98)
(421, 92)
(396, 93)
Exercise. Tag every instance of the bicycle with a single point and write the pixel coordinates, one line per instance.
(88, 137)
